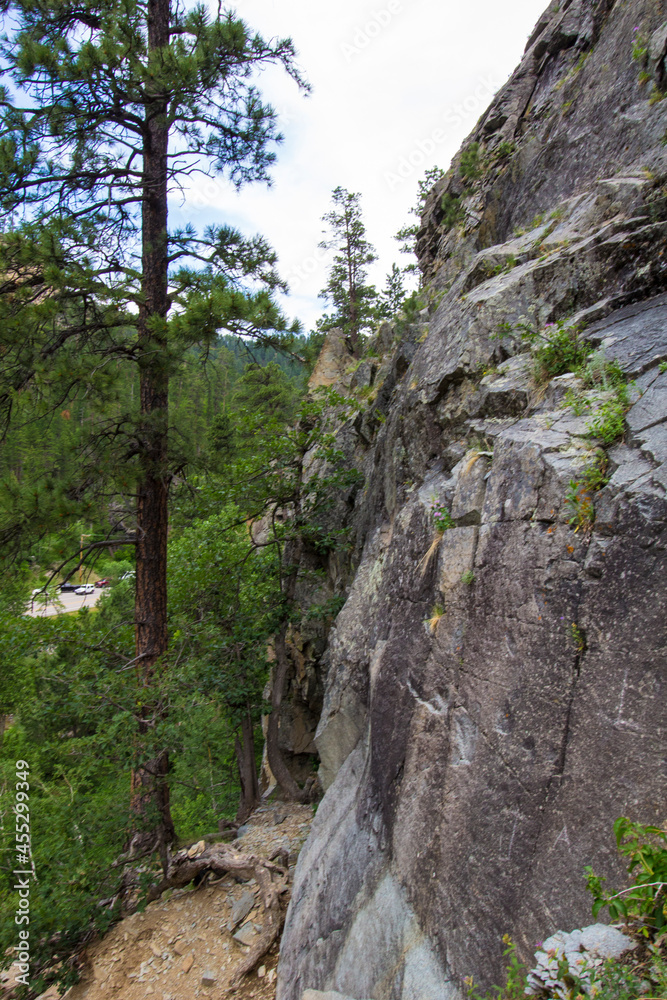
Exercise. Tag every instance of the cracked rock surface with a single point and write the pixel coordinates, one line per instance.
(494, 695)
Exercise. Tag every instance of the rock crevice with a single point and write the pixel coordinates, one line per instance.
(494, 692)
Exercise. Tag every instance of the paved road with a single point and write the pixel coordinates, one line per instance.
(69, 602)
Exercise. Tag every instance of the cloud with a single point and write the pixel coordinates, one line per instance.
(397, 86)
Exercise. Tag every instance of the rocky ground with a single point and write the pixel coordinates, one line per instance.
(188, 944)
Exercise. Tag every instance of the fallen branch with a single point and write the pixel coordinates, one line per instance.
(223, 859)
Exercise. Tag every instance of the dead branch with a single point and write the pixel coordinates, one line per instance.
(224, 859)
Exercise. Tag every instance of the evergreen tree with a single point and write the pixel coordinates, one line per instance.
(392, 295)
(264, 392)
(407, 235)
(106, 109)
(353, 300)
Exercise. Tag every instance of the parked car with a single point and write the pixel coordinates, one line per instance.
(86, 588)
(102, 583)
(68, 588)
(130, 575)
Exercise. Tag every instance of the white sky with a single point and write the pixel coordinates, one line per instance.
(397, 85)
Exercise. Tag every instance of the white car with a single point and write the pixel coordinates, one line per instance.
(87, 588)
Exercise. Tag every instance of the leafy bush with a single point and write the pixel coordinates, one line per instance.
(608, 423)
(611, 981)
(452, 210)
(504, 150)
(579, 497)
(471, 163)
(557, 349)
(645, 902)
(618, 982)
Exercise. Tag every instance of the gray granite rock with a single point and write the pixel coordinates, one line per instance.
(247, 934)
(240, 909)
(584, 951)
(651, 408)
(476, 749)
(635, 336)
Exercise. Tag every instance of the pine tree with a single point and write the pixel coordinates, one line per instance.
(346, 289)
(392, 295)
(108, 108)
(407, 235)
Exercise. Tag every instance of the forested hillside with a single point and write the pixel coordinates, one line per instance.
(402, 573)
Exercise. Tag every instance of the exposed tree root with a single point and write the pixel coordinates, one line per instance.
(224, 859)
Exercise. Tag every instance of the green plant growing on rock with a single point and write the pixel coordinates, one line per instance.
(504, 150)
(441, 517)
(443, 521)
(557, 349)
(452, 210)
(617, 982)
(608, 423)
(468, 578)
(508, 265)
(471, 167)
(640, 47)
(576, 402)
(643, 904)
(579, 496)
(412, 306)
(580, 503)
(437, 615)
(601, 373)
(578, 637)
(515, 978)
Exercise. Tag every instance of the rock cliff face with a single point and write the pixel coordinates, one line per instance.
(494, 694)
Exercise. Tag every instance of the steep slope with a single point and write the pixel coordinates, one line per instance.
(494, 693)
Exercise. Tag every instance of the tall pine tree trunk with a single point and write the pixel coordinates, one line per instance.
(151, 818)
(245, 756)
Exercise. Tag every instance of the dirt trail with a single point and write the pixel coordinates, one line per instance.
(182, 947)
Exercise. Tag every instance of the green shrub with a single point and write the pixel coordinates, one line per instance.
(579, 497)
(471, 167)
(608, 423)
(557, 349)
(452, 210)
(600, 373)
(504, 150)
(645, 902)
